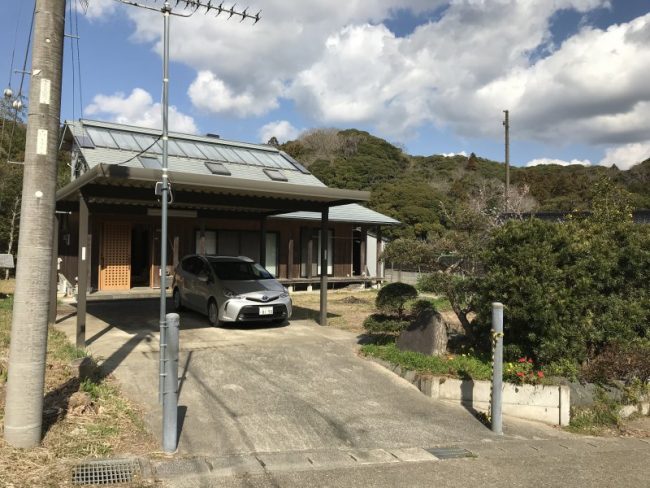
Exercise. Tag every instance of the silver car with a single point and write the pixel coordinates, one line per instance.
(230, 289)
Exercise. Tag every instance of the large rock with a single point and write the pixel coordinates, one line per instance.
(427, 334)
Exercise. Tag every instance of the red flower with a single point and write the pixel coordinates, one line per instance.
(522, 360)
(540, 374)
(530, 361)
(520, 374)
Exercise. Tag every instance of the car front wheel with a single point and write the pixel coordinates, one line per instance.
(213, 314)
(178, 304)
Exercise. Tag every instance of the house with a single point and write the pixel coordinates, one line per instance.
(227, 198)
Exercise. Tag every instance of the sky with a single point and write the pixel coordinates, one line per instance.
(431, 75)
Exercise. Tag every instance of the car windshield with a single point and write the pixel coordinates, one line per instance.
(239, 271)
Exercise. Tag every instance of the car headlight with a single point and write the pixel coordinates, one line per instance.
(285, 294)
(230, 294)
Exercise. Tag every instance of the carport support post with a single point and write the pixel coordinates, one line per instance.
(82, 272)
(170, 398)
(378, 272)
(263, 241)
(497, 369)
(323, 265)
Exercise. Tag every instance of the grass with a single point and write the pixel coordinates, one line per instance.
(463, 366)
(598, 419)
(82, 420)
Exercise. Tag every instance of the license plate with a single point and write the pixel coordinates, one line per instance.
(266, 310)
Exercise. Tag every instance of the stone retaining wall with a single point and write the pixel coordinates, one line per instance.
(548, 404)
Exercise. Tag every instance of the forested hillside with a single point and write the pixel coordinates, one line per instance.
(423, 192)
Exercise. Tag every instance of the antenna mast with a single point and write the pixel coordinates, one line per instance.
(168, 396)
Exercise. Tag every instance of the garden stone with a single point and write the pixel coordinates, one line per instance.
(427, 334)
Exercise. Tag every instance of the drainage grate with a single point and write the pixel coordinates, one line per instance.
(105, 472)
(450, 452)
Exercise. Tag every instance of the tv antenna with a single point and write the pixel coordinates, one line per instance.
(186, 8)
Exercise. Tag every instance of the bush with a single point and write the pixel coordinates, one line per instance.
(383, 324)
(568, 288)
(392, 298)
(419, 306)
(463, 366)
(629, 363)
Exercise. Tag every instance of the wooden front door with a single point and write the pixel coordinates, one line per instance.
(115, 263)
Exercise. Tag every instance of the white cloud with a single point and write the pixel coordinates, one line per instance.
(211, 94)
(97, 9)
(560, 162)
(627, 155)
(452, 154)
(343, 66)
(139, 109)
(282, 130)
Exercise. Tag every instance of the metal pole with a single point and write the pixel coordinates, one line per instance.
(166, 10)
(324, 257)
(24, 395)
(497, 370)
(506, 123)
(170, 402)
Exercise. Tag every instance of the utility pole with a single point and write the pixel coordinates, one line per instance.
(506, 124)
(24, 401)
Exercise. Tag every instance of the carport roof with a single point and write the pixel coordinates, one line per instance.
(107, 184)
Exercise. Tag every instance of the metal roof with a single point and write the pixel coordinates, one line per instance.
(109, 143)
(352, 212)
(119, 155)
(112, 185)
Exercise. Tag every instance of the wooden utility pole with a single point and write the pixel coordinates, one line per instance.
(506, 124)
(24, 401)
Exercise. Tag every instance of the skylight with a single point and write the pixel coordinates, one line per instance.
(275, 174)
(217, 168)
(151, 163)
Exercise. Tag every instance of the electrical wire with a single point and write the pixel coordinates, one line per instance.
(22, 79)
(74, 91)
(76, 22)
(11, 66)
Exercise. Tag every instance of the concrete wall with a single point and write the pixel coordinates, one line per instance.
(410, 277)
(547, 404)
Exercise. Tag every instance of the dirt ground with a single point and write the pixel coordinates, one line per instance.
(346, 309)
(7, 286)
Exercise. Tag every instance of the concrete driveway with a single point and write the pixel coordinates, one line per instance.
(298, 387)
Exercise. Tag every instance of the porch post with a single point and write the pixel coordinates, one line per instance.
(202, 239)
(82, 272)
(362, 254)
(290, 258)
(263, 241)
(323, 265)
(54, 279)
(310, 257)
(378, 271)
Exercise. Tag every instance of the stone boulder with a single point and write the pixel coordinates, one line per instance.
(427, 334)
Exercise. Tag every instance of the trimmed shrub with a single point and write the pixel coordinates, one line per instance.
(393, 297)
(383, 324)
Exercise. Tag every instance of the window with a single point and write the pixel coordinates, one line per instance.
(310, 234)
(217, 168)
(239, 271)
(210, 242)
(151, 163)
(276, 175)
(191, 265)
